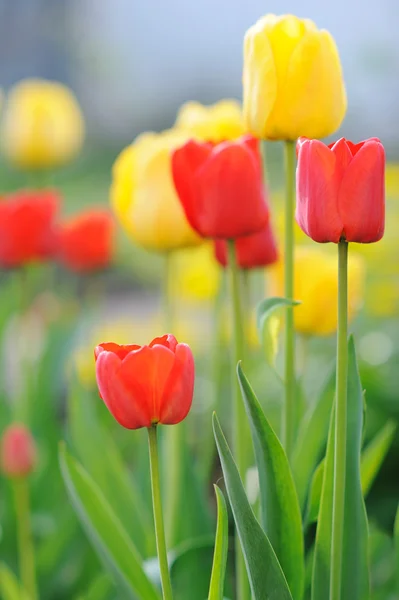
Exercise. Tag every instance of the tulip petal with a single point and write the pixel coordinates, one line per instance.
(361, 199)
(177, 398)
(317, 192)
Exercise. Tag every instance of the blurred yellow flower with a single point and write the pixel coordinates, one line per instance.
(195, 273)
(42, 125)
(392, 180)
(316, 287)
(292, 80)
(143, 194)
(215, 123)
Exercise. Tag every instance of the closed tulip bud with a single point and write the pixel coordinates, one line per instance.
(85, 241)
(144, 197)
(340, 190)
(216, 123)
(316, 288)
(43, 125)
(221, 187)
(146, 385)
(18, 451)
(255, 250)
(27, 227)
(292, 80)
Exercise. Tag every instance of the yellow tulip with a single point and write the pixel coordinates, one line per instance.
(316, 287)
(195, 274)
(144, 197)
(42, 126)
(292, 80)
(215, 123)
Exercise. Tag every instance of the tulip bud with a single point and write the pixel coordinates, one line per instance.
(17, 452)
(216, 123)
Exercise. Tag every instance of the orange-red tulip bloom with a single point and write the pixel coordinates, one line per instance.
(85, 242)
(221, 187)
(255, 250)
(145, 385)
(340, 190)
(17, 451)
(27, 227)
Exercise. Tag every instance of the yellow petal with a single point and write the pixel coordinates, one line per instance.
(215, 123)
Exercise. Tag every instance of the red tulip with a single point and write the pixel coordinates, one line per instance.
(85, 242)
(18, 451)
(255, 250)
(27, 227)
(221, 188)
(145, 385)
(340, 190)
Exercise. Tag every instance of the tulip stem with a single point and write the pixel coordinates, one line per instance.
(239, 416)
(158, 515)
(24, 532)
(288, 420)
(340, 424)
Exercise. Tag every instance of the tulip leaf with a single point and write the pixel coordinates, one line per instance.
(267, 324)
(105, 530)
(315, 494)
(216, 587)
(281, 515)
(265, 574)
(310, 442)
(355, 569)
(10, 587)
(374, 454)
(396, 542)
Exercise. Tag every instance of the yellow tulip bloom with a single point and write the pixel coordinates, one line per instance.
(292, 80)
(42, 126)
(215, 123)
(143, 194)
(195, 274)
(316, 287)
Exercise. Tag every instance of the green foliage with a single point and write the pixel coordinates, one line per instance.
(216, 588)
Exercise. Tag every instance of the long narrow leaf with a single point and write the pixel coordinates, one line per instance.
(264, 571)
(267, 324)
(396, 542)
(105, 530)
(373, 455)
(216, 587)
(281, 515)
(10, 587)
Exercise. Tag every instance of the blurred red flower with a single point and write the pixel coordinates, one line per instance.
(85, 241)
(255, 250)
(221, 187)
(341, 190)
(27, 227)
(17, 451)
(144, 385)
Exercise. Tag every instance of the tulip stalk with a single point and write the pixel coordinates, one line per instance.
(340, 424)
(239, 416)
(24, 533)
(288, 421)
(158, 514)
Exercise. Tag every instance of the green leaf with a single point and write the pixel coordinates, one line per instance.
(10, 587)
(355, 570)
(315, 494)
(100, 588)
(374, 454)
(396, 541)
(267, 324)
(105, 530)
(281, 515)
(264, 571)
(311, 439)
(216, 587)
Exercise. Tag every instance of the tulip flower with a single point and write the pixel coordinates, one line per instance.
(196, 274)
(17, 451)
(340, 190)
(143, 195)
(43, 125)
(316, 288)
(27, 228)
(85, 241)
(146, 385)
(216, 123)
(255, 250)
(221, 187)
(292, 80)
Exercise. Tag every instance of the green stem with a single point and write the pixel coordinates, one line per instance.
(340, 424)
(24, 532)
(239, 417)
(288, 420)
(158, 516)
